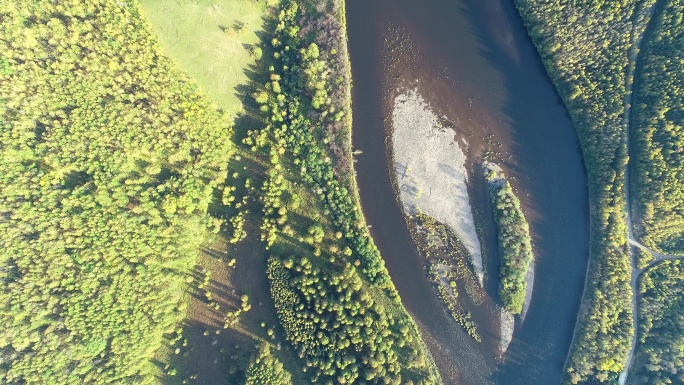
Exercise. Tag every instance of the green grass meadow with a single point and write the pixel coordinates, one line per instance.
(209, 40)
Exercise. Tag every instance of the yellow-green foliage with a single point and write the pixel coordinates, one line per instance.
(660, 351)
(347, 324)
(585, 48)
(290, 128)
(338, 328)
(515, 245)
(108, 161)
(266, 369)
(642, 258)
(659, 130)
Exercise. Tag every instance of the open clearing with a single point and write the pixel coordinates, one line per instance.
(210, 41)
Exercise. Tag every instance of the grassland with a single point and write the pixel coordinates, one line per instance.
(279, 203)
(210, 40)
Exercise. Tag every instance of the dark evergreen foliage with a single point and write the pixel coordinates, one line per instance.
(585, 48)
(266, 369)
(658, 130)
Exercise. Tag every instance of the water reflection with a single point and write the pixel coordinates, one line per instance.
(473, 62)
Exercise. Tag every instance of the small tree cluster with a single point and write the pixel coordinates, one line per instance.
(266, 369)
(514, 242)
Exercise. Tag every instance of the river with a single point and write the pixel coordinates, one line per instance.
(474, 63)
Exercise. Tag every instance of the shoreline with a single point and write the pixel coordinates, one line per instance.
(353, 186)
(429, 171)
(508, 320)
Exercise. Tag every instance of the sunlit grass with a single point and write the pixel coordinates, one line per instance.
(210, 41)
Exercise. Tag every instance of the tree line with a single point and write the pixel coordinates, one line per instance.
(514, 242)
(585, 48)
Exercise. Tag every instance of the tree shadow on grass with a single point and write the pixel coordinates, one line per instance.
(252, 118)
(208, 353)
(205, 357)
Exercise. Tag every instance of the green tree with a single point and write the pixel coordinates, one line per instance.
(266, 369)
(109, 163)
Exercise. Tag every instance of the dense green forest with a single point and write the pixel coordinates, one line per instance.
(659, 356)
(109, 162)
(337, 326)
(514, 241)
(332, 296)
(658, 131)
(266, 369)
(585, 47)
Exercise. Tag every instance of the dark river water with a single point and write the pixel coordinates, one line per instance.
(474, 63)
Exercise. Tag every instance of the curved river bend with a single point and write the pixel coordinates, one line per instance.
(474, 63)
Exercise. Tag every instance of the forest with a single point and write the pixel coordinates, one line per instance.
(110, 160)
(129, 200)
(659, 131)
(625, 99)
(266, 369)
(514, 242)
(660, 350)
(336, 325)
(332, 304)
(116, 173)
(585, 47)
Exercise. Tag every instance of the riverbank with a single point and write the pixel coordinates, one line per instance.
(430, 171)
(505, 111)
(346, 161)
